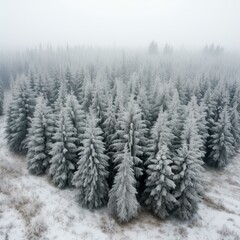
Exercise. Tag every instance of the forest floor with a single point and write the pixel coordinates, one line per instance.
(32, 208)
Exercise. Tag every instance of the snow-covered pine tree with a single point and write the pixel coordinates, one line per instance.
(222, 141)
(123, 202)
(188, 89)
(59, 104)
(48, 85)
(111, 78)
(88, 95)
(203, 86)
(155, 100)
(109, 126)
(202, 124)
(62, 97)
(215, 101)
(55, 86)
(180, 86)
(64, 151)
(132, 131)
(132, 85)
(144, 104)
(91, 177)
(77, 117)
(79, 86)
(207, 101)
(199, 112)
(166, 94)
(1, 97)
(99, 105)
(39, 137)
(175, 118)
(109, 130)
(68, 79)
(32, 81)
(188, 170)
(40, 87)
(234, 93)
(118, 99)
(18, 120)
(159, 183)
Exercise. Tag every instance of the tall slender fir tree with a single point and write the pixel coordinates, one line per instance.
(64, 151)
(123, 202)
(90, 178)
(39, 138)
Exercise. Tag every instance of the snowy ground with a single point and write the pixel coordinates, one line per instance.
(32, 208)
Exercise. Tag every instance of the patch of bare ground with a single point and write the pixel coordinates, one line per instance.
(114, 228)
(146, 217)
(144, 220)
(109, 225)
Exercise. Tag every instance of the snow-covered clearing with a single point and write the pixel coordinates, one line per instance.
(32, 208)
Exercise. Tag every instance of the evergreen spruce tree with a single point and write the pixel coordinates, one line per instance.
(159, 182)
(62, 97)
(156, 98)
(91, 176)
(88, 96)
(119, 96)
(222, 141)
(68, 79)
(59, 104)
(99, 105)
(109, 127)
(32, 81)
(180, 86)
(40, 87)
(55, 86)
(188, 170)
(234, 94)
(215, 102)
(202, 124)
(18, 120)
(199, 112)
(144, 104)
(109, 130)
(123, 202)
(77, 117)
(175, 118)
(167, 93)
(79, 86)
(64, 151)
(39, 138)
(132, 131)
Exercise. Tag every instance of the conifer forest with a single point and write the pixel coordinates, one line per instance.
(119, 120)
(127, 130)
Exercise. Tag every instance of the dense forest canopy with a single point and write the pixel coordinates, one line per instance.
(124, 127)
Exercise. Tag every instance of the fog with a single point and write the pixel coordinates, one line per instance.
(125, 23)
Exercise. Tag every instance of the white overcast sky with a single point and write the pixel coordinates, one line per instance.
(134, 23)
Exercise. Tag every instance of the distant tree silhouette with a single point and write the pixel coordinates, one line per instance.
(153, 48)
(213, 50)
(167, 49)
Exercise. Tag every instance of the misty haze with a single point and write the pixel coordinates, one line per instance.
(119, 119)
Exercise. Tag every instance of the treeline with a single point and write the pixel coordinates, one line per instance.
(130, 131)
